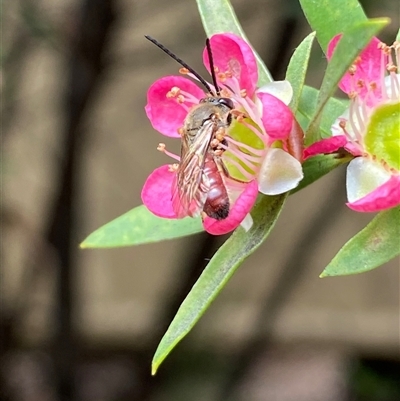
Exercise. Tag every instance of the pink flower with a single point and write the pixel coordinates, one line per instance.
(370, 128)
(256, 147)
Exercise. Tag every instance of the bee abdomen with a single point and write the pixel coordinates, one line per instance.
(217, 204)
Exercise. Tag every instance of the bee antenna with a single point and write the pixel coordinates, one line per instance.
(182, 63)
(211, 61)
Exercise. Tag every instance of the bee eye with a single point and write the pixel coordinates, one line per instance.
(226, 102)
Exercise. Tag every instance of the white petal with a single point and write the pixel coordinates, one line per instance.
(389, 82)
(280, 172)
(363, 176)
(280, 89)
(247, 222)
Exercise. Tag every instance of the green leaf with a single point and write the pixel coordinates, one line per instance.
(351, 44)
(218, 16)
(376, 244)
(307, 105)
(316, 167)
(398, 36)
(297, 69)
(139, 226)
(217, 273)
(330, 17)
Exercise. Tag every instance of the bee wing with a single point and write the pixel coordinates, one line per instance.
(191, 185)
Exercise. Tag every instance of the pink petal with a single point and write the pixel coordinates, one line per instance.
(368, 68)
(238, 212)
(231, 53)
(384, 197)
(167, 115)
(276, 116)
(327, 145)
(157, 192)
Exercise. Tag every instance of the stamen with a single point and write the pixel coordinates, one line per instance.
(173, 167)
(353, 105)
(242, 170)
(257, 152)
(162, 148)
(244, 157)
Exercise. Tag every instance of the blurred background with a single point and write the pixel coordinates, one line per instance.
(77, 148)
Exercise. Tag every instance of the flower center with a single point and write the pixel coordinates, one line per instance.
(382, 138)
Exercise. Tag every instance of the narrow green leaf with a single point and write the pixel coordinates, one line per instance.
(217, 273)
(330, 17)
(307, 105)
(297, 69)
(376, 244)
(350, 45)
(139, 226)
(218, 16)
(316, 167)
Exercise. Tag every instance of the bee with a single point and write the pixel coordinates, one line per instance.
(199, 185)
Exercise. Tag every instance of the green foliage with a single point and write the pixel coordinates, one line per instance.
(307, 106)
(376, 244)
(330, 17)
(139, 226)
(218, 272)
(297, 69)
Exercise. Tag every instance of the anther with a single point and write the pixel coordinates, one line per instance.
(243, 93)
(161, 147)
(221, 77)
(214, 143)
(183, 71)
(173, 167)
(220, 134)
(352, 69)
(173, 92)
(360, 83)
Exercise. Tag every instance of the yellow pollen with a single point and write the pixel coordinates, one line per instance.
(220, 134)
(183, 71)
(352, 69)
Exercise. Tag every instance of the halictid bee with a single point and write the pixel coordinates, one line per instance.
(199, 185)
